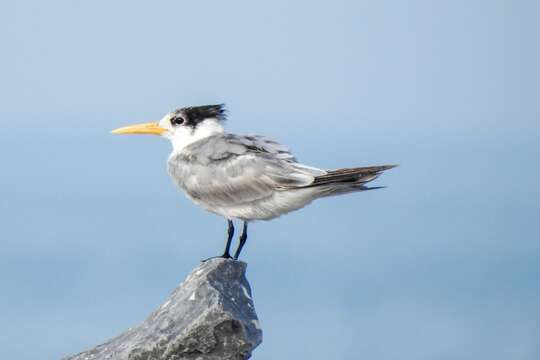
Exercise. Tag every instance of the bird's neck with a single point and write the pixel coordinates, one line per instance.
(188, 135)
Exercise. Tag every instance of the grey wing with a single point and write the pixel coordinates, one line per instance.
(219, 146)
(227, 170)
(262, 144)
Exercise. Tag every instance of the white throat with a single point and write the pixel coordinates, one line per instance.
(186, 135)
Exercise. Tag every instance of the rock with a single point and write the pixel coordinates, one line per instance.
(210, 316)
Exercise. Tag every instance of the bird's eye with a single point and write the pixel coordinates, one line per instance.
(177, 121)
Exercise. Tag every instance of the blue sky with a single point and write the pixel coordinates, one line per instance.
(442, 264)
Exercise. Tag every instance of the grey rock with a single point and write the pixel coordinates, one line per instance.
(210, 316)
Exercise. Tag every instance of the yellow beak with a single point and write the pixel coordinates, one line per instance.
(148, 128)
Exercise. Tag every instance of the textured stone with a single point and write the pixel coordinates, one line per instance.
(210, 316)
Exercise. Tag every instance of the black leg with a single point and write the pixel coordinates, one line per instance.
(226, 253)
(243, 239)
(230, 234)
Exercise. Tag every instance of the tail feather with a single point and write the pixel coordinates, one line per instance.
(351, 176)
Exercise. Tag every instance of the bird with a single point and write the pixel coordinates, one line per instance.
(243, 177)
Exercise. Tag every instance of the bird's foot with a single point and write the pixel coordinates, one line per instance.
(224, 256)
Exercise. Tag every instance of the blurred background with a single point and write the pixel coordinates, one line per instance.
(442, 264)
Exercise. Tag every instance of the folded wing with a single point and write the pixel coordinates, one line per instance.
(227, 169)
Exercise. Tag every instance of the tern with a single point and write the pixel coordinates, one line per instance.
(243, 177)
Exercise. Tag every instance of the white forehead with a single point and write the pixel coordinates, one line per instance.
(165, 121)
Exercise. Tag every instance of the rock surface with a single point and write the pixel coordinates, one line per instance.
(210, 316)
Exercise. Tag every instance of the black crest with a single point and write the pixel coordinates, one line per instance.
(193, 115)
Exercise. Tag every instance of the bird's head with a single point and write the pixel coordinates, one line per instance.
(183, 126)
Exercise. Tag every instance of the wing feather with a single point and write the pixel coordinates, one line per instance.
(227, 169)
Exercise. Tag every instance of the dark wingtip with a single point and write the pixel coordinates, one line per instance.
(379, 169)
(366, 188)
